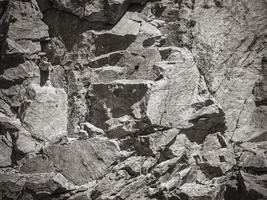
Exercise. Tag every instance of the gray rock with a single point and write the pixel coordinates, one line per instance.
(80, 162)
(46, 185)
(6, 153)
(45, 114)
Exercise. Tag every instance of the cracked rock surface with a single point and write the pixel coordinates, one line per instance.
(133, 100)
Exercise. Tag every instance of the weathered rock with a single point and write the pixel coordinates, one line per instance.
(132, 165)
(255, 161)
(214, 142)
(17, 137)
(6, 153)
(91, 129)
(45, 114)
(115, 100)
(178, 86)
(109, 73)
(80, 162)
(100, 11)
(25, 29)
(255, 187)
(232, 64)
(199, 192)
(21, 72)
(158, 142)
(183, 100)
(34, 186)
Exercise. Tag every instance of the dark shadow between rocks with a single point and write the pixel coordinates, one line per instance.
(43, 77)
(68, 27)
(205, 125)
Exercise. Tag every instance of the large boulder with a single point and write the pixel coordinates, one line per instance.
(44, 114)
(80, 162)
(34, 186)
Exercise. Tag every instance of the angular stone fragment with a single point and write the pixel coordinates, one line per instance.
(215, 163)
(80, 162)
(40, 186)
(115, 100)
(93, 43)
(45, 114)
(158, 141)
(91, 129)
(5, 153)
(132, 165)
(194, 191)
(21, 72)
(109, 73)
(95, 11)
(17, 137)
(252, 160)
(254, 186)
(182, 98)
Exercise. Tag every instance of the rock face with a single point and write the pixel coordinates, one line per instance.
(132, 99)
(43, 104)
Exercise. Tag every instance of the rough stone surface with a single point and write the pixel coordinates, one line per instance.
(43, 104)
(133, 100)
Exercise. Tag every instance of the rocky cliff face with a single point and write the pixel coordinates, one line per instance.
(133, 99)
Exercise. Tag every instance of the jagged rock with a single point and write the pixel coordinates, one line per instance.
(93, 43)
(133, 188)
(109, 73)
(181, 144)
(99, 11)
(91, 129)
(80, 162)
(256, 161)
(17, 137)
(21, 72)
(6, 153)
(159, 141)
(214, 142)
(34, 186)
(182, 93)
(138, 63)
(109, 59)
(123, 126)
(167, 166)
(115, 100)
(25, 28)
(255, 187)
(132, 99)
(232, 86)
(132, 165)
(45, 114)
(195, 191)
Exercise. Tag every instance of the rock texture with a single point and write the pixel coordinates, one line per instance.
(133, 99)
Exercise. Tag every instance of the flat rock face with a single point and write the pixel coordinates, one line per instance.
(76, 161)
(45, 113)
(133, 100)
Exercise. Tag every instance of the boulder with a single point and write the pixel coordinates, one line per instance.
(194, 191)
(34, 186)
(6, 153)
(25, 30)
(80, 162)
(183, 100)
(45, 113)
(254, 186)
(91, 129)
(110, 101)
(95, 11)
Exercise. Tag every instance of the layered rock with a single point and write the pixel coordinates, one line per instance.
(131, 99)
